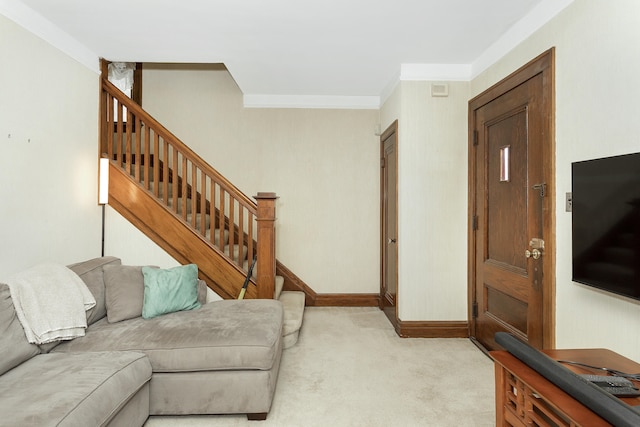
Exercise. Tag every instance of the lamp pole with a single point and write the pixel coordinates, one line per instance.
(103, 209)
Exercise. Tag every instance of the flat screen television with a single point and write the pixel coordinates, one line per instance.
(606, 223)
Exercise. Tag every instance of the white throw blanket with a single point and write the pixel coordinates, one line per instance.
(51, 303)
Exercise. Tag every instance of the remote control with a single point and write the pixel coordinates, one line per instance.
(608, 380)
(617, 386)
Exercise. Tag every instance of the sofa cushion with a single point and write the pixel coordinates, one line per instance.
(169, 290)
(221, 335)
(78, 389)
(14, 347)
(90, 272)
(124, 291)
(202, 292)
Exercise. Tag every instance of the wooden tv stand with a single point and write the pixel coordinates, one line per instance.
(525, 398)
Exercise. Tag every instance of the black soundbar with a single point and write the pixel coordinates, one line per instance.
(590, 395)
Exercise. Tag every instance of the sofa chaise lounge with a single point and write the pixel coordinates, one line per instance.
(222, 358)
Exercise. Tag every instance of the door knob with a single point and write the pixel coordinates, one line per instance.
(391, 241)
(534, 253)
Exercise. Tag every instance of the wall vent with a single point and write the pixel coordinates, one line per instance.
(439, 89)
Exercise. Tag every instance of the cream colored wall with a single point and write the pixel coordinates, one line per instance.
(323, 164)
(432, 199)
(597, 110)
(48, 166)
(118, 235)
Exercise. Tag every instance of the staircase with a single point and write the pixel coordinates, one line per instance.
(196, 215)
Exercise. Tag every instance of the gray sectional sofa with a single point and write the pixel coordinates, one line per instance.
(221, 358)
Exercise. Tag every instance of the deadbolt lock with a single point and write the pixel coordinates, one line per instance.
(536, 243)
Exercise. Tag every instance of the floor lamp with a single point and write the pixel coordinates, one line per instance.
(103, 190)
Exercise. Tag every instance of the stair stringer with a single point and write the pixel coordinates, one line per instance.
(294, 283)
(174, 235)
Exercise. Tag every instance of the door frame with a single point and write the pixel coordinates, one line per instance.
(385, 304)
(544, 64)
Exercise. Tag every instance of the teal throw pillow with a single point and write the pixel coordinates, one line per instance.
(169, 290)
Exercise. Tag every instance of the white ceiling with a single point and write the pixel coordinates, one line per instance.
(288, 49)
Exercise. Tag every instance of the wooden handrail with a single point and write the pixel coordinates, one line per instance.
(162, 132)
(173, 173)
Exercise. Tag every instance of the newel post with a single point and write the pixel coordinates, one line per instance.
(266, 219)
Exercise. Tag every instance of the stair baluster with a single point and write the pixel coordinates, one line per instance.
(160, 164)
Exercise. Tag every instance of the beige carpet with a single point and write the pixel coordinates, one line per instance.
(349, 368)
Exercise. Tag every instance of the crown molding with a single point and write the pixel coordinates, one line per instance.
(388, 90)
(312, 101)
(519, 32)
(541, 14)
(36, 24)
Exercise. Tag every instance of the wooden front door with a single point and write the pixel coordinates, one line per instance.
(389, 222)
(511, 248)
